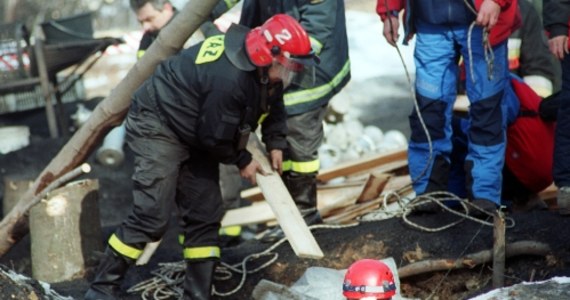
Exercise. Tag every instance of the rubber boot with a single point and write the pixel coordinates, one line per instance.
(198, 280)
(303, 190)
(110, 274)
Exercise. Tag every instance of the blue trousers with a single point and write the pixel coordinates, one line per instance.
(437, 54)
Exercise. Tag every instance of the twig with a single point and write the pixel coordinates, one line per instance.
(82, 169)
(498, 250)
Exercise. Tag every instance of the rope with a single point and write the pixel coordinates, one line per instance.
(167, 280)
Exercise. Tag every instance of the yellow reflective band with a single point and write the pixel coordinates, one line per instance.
(231, 3)
(230, 230)
(123, 248)
(140, 53)
(212, 48)
(262, 118)
(302, 166)
(181, 239)
(316, 93)
(316, 45)
(286, 165)
(202, 252)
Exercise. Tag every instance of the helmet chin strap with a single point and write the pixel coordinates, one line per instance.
(264, 81)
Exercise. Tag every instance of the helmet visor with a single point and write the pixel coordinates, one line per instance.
(298, 71)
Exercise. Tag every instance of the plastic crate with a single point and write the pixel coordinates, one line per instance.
(70, 29)
(31, 99)
(14, 52)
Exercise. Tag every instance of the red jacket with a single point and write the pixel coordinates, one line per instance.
(530, 142)
(509, 19)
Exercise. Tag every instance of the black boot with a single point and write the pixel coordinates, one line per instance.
(198, 280)
(303, 190)
(110, 274)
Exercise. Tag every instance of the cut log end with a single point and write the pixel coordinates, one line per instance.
(86, 168)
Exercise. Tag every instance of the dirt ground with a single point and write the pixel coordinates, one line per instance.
(378, 239)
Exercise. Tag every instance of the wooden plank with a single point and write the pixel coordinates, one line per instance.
(392, 160)
(347, 214)
(330, 200)
(280, 201)
(373, 187)
(548, 195)
(253, 214)
(351, 167)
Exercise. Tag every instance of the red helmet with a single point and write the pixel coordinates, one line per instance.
(368, 278)
(280, 37)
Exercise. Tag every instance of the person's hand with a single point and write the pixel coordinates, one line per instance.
(276, 157)
(248, 172)
(558, 46)
(391, 26)
(488, 14)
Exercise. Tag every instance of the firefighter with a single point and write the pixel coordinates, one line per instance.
(306, 103)
(369, 279)
(153, 15)
(195, 111)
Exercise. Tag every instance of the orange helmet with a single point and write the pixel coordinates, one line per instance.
(368, 278)
(283, 38)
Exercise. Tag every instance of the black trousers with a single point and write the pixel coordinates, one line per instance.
(168, 175)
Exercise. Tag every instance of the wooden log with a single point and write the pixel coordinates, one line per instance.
(65, 232)
(283, 206)
(14, 188)
(471, 260)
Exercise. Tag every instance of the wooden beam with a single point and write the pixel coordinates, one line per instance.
(280, 201)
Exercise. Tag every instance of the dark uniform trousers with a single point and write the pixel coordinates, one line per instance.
(168, 172)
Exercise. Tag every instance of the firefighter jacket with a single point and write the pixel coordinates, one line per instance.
(509, 19)
(211, 102)
(556, 15)
(325, 23)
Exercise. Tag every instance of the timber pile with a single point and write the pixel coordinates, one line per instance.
(364, 184)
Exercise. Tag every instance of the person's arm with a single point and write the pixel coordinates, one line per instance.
(274, 130)
(388, 10)
(555, 13)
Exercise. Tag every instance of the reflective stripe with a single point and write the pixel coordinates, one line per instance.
(286, 165)
(262, 118)
(231, 3)
(140, 53)
(514, 53)
(202, 252)
(302, 166)
(123, 248)
(181, 239)
(230, 230)
(316, 45)
(316, 93)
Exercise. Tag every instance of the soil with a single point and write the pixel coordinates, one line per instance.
(342, 246)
